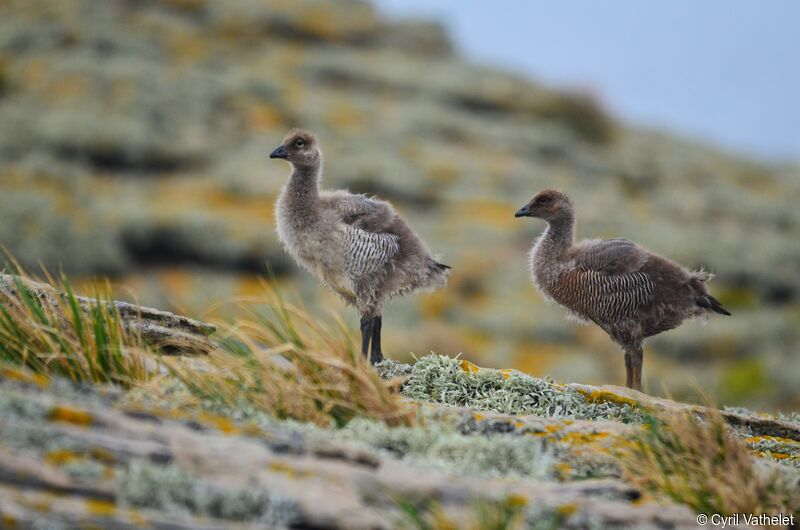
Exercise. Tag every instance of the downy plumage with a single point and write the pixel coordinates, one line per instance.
(629, 292)
(357, 245)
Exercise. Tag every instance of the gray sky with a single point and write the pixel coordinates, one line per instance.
(726, 71)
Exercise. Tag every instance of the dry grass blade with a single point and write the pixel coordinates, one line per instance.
(701, 463)
(56, 334)
(289, 364)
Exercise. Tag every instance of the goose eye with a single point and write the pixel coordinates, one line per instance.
(299, 143)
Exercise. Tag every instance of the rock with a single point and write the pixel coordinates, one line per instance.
(756, 425)
(170, 332)
(333, 485)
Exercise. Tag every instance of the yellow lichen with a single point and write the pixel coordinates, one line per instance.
(101, 508)
(65, 414)
(565, 510)
(9, 521)
(605, 396)
(286, 469)
(59, 457)
(102, 454)
(221, 423)
(469, 367)
(774, 456)
(576, 438)
(563, 469)
(516, 501)
(758, 439)
(25, 377)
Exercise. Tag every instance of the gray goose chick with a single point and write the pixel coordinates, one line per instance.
(629, 292)
(356, 245)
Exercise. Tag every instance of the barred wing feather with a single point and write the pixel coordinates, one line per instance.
(368, 252)
(604, 297)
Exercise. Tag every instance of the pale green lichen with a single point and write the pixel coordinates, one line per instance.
(175, 490)
(790, 417)
(443, 380)
(84, 470)
(389, 368)
(439, 447)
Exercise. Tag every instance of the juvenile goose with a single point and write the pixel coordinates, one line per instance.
(629, 292)
(358, 246)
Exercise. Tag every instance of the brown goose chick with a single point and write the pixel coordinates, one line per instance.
(358, 246)
(629, 292)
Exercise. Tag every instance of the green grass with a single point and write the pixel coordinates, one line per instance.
(274, 358)
(702, 464)
(278, 359)
(55, 333)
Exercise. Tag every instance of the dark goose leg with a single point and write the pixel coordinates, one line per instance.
(628, 370)
(636, 364)
(366, 334)
(377, 354)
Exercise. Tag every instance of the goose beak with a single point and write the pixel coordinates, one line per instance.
(522, 212)
(279, 152)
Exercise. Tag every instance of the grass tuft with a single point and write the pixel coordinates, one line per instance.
(53, 333)
(280, 360)
(505, 514)
(701, 463)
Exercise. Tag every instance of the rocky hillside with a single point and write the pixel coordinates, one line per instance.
(278, 423)
(133, 143)
(77, 457)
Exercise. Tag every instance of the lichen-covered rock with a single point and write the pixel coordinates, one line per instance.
(86, 458)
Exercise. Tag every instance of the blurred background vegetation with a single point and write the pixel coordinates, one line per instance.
(134, 140)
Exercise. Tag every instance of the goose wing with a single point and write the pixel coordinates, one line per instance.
(610, 256)
(368, 252)
(364, 212)
(609, 280)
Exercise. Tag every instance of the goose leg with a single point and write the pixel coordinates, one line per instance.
(637, 358)
(628, 371)
(366, 334)
(377, 354)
